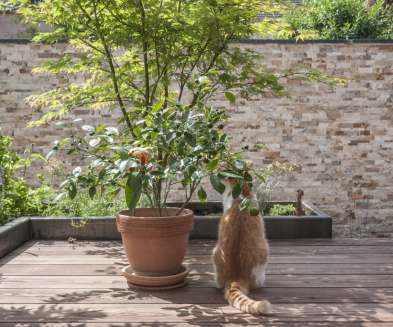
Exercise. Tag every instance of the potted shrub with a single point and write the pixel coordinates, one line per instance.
(178, 147)
(156, 63)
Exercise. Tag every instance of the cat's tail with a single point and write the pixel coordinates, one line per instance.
(235, 293)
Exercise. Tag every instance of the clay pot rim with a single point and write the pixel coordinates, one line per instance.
(126, 213)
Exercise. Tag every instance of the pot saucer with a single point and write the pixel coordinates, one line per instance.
(155, 281)
(184, 282)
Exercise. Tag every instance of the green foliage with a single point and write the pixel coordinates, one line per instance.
(183, 142)
(15, 194)
(84, 206)
(264, 186)
(282, 210)
(157, 63)
(339, 19)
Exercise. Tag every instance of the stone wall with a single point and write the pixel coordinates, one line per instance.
(340, 137)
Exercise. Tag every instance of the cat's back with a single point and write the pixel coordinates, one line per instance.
(241, 238)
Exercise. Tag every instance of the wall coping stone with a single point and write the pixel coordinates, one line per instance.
(249, 41)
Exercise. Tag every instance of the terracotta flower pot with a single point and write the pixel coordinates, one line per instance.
(155, 246)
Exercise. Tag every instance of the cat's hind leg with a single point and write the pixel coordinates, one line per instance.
(214, 266)
(218, 278)
(258, 272)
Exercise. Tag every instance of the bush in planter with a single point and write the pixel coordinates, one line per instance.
(282, 210)
(275, 172)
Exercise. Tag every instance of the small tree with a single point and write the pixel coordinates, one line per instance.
(158, 62)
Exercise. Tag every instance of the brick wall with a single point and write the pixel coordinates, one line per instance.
(342, 137)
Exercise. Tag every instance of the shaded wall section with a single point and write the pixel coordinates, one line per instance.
(340, 137)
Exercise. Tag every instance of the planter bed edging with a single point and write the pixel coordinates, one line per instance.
(14, 234)
(21, 230)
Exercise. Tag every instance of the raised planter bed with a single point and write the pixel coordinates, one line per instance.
(316, 224)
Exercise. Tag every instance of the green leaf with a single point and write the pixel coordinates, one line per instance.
(127, 164)
(236, 191)
(51, 154)
(212, 165)
(245, 203)
(157, 173)
(60, 123)
(190, 138)
(111, 130)
(230, 174)
(92, 192)
(230, 96)
(137, 131)
(223, 138)
(261, 146)
(199, 174)
(96, 163)
(62, 143)
(57, 198)
(102, 173)
(100, 128)
(170, 137)
(38, 156)
(172, 177)
(188, 173)
(181, 147)
(260, 177)
(123, 154)
(211, 72)
(247, 177)
(266, 172)
(77, 171)
(239, 164)
(197, 149)
(186, 115)
(114, 193)
(94, 142)
(202, 196)
(217, 184)
(133, 190)
(158, 106)
(89, 128)
(72, 193)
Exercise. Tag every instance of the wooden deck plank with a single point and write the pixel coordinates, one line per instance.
(274, 249)
(94, 282)
(196, 269)
(209, 324)
(194, 313)
(309, 283)
(202, 295)
(364, 242)
(118, 257)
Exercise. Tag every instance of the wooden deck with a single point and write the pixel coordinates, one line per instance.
(340, 282)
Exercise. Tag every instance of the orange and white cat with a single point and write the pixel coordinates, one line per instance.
(242, 252)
